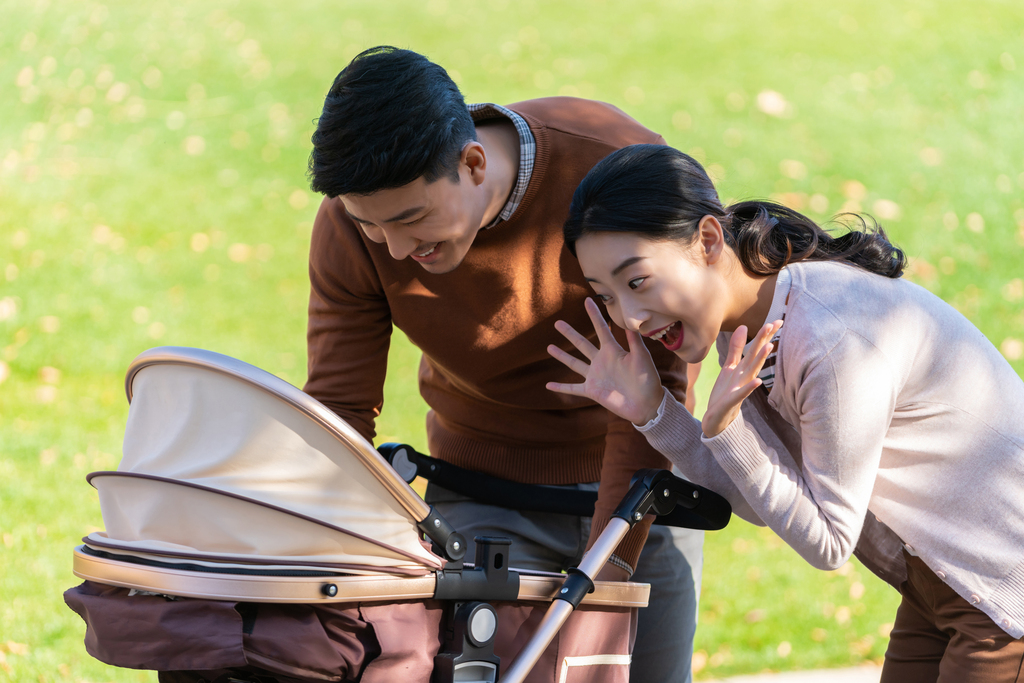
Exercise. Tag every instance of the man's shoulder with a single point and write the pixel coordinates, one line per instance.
(335, 239)
(585, 119)
(332, 222)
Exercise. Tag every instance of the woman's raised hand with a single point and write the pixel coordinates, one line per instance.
(738, 377)
(626, 383)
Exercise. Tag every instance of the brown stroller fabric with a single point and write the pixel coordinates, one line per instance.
(238, 499)
(192, 640)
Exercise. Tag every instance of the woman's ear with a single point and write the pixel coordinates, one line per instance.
(712, 239)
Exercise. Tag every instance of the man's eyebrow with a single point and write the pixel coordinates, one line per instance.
(354, 217)
(626, 264)
(408, 213)
(402, 216)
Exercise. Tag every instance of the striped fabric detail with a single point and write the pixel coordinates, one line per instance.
(777, 311)
(767, 373)
(527, 154)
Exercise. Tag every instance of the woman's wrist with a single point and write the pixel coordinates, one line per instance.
(652, 409)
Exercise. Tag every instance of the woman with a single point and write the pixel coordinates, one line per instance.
(876, 421)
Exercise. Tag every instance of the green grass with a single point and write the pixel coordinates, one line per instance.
(152, 192)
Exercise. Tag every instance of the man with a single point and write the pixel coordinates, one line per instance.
(446, 221)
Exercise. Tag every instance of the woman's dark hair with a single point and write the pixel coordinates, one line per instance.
(661, 193)
(391, 116)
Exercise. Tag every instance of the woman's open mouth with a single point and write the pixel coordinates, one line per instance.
(671, 336)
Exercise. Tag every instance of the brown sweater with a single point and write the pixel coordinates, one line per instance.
(484, 328)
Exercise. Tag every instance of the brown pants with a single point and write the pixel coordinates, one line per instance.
(939, 637)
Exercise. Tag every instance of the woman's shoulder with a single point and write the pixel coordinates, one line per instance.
(833, 276)
(830, 300)
(844, 290)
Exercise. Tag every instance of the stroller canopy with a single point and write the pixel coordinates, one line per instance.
(225, 464)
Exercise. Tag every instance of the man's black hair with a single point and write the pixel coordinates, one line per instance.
(391, 117)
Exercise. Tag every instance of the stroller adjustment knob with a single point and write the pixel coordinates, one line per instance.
(329, 590)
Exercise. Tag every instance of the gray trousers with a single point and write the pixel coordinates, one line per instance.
(671, 562)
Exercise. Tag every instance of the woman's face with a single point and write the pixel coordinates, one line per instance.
(662, 289)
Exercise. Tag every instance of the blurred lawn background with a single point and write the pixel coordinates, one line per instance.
(153, 191)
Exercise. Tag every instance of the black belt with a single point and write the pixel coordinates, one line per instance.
(711, 513)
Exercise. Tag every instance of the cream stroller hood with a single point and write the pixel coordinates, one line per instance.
(227, 465)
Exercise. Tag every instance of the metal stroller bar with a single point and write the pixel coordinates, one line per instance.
(656, 491)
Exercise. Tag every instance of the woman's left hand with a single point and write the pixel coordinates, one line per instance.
(738, 377)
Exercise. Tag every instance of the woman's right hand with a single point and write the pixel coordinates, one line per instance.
(625, 382)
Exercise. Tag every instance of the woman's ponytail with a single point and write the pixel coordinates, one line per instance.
(661, 193)
(767, 237)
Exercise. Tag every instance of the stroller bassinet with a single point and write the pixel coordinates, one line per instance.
(251, 534)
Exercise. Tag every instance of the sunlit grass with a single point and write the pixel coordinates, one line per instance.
(153, 191)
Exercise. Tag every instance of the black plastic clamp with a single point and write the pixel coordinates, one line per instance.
(662, 493)
(447, 542)
(576, 586)
(489, 579)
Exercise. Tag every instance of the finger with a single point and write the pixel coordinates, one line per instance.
(604, 333)
(736, 395)
(569, 360)
(769, 331)
(636, 344)
(582, 344)
(764, 336)
(736, 344)
(773, 329)
(740, 394)
(754, 355)
(754, 361)
(564, 388)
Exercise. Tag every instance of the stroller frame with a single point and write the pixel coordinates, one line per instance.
(468, 653)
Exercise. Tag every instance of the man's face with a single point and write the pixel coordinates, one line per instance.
(434, 223)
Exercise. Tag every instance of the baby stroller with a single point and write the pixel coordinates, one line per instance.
(253, 535)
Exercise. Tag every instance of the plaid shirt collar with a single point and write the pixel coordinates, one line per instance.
(527, 154)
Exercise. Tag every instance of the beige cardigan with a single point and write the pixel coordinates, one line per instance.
(892, 420)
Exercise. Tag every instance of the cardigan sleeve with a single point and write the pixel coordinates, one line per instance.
(845, 400)
(677, 434)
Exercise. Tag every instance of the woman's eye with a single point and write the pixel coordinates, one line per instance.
(636, 282)
(603, 298)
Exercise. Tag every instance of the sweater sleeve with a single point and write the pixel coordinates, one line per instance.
(349, 329)
(845, 400)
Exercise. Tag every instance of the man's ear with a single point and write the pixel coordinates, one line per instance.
(712, 239)
(474, 158)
